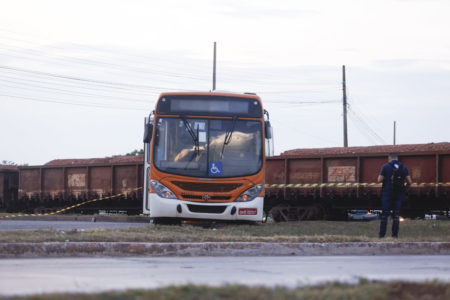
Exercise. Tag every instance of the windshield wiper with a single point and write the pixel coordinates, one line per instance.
(192, 134)
(228, 135)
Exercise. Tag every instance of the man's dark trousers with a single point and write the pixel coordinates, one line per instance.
(391, 201)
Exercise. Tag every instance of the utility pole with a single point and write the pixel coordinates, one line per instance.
(395, 130)
(344, 102)
(214, 68)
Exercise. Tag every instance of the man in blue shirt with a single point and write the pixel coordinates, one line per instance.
(393, 175)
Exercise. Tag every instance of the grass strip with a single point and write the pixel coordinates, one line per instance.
(332, 291)
(309, 231)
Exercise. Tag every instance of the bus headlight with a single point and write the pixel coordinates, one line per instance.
(162, 190)
(250, 194)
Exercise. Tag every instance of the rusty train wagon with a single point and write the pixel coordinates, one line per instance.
(325, 183)
(62, 183)
(9, 182)
(301, 184)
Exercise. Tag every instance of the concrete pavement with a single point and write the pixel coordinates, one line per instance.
(81, 275)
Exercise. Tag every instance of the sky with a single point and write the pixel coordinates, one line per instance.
(77, 78)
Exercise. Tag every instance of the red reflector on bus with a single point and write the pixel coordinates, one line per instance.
(248, 211)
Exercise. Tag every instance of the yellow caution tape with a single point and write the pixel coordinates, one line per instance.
(346, 184)
(267, 185)
(66, 208)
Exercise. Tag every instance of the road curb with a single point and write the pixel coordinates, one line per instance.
(96, 249)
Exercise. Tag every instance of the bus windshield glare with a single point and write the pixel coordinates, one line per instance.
(202, 147)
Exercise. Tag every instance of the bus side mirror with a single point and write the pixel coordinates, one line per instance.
(268, 129)
(148, 131)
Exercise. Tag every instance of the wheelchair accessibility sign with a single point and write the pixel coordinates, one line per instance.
(215, 168)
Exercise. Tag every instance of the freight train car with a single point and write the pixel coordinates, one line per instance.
(325, 183)
(61, 183)
(301, 184)
(9, 182)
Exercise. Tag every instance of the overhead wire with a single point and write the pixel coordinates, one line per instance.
(73, 46)
(362, 125)
(110, 84)
(359, 128)
(29, 80)
(227, 74)
(101, 86)
(296, 130)
(368, 129)
(24, 86)
(96, 105)
(93, 81)
(231, 72)
(302, 102)
(321, 90)
(47, 43)
(368, 117)
(102, 64)
(122, 98)
(77, 85)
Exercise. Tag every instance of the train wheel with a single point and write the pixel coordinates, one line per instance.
(311, 212)
(303, 213)
(320, 212)
(280, 213)
(277, 217)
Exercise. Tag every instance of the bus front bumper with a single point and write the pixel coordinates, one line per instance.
(231, 211)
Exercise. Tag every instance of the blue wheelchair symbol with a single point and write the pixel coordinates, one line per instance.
(215, 168)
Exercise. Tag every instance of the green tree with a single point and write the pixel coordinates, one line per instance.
(132, 153)
(135, 152)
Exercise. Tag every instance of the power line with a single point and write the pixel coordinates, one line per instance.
(79, 85)
(113, 84)
(96, 63)
(298, 91)
(108, 83)
(370, 121)
(73, 103)
(302, 102)
(359, 126)
(369, 129)
(72, 93)
(228, 74)
(295, 129)
(91, 49)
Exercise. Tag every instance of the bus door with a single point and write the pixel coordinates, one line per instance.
(148, 131)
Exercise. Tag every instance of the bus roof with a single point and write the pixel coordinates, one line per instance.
(213, 93)
(218, 103)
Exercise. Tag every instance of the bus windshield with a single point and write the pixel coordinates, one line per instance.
(208, 147)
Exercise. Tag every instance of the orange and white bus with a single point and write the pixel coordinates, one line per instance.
(205, 157)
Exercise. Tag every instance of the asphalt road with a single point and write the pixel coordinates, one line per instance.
(46, 275)
(13, 225)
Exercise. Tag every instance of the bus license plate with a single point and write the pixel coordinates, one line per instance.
(248, 211)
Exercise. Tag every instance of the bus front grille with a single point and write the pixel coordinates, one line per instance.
(207, 209)
(199, 197)
(207, 187)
